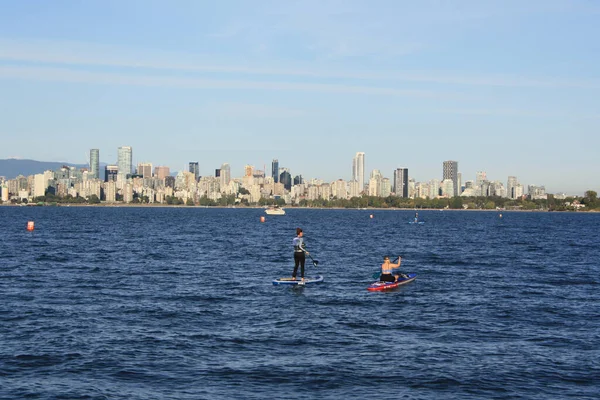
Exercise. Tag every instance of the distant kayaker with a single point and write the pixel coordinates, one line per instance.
(299, 253)
(387, 268)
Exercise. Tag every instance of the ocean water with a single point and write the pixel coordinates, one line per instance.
(178, 303)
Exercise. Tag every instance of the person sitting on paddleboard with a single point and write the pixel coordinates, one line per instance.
(299, 253)
(387, 268)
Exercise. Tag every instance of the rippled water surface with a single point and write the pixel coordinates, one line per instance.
(178, 303)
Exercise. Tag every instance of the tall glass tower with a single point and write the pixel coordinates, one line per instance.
(275, 170)
(401, 182)
(358, 170)
(195, 169)
(225, 175)
(450, 171)
(95, 163)
(124, 161)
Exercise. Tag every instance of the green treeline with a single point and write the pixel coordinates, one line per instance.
(589, 201)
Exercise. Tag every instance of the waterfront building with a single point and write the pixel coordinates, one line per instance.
(480, 176)
(411, 188)
(536, 192)
(340, 189)
(145, 170)
(386, 187)
(39, 185)
(110, 191)
(224, 175)
(450, 171)
(401, 182)
(511, 184)
(421, 190)
(95, 164)
(358, 170)
(285, 178)
(124, 162)
(111, 173)
(375, 183)
(447, 187)
(161, 172)
(194, 168)
(4, 193)
(353, 188)
(275, 170)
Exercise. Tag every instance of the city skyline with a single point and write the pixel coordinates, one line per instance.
(493, 85)
(448, 169)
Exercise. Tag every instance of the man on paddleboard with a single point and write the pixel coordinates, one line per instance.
(387, 268)
(299, 253)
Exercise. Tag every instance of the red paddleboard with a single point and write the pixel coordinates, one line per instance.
(379, 286)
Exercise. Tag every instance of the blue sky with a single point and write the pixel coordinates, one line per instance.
(506, 87)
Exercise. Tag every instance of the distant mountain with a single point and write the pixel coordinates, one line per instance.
(11, 168)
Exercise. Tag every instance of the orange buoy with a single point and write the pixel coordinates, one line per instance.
(262, 219)
(30, 225)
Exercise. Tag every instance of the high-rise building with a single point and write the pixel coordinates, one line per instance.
(480, 177)
(95, 163)
(275, 170)
(358, 170)
(194, 168)
(248, 170)
(145, 170)
(225, 175)
(401, 182)
(450, 171)
(286, 179)
(511, 185)
(162, 172)
(110, 173)
(124, 161)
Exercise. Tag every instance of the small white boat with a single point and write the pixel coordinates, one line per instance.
(275, 211)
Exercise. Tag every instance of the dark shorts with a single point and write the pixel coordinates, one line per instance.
(387, 278)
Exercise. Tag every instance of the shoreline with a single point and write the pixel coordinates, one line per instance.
(113, 205)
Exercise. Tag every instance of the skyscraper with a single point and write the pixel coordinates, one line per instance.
(225, 175)
(124, 161)
(401, 182)
(145, 170)
(286, 179)
(275, 170)
(195, 169)
(358, 170)
(450, 171)
(162, 172)
(511, 185)
(110, 173)
(95, 163)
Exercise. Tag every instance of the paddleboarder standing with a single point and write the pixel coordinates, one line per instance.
(299, 253)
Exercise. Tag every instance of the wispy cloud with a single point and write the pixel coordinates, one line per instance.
(253, 111)
(76, 76)
(95, 56)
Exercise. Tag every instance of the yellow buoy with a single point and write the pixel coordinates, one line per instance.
(30, 225)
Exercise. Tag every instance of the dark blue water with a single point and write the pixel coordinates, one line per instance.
(177, 303)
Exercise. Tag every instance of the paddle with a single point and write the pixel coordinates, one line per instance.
(315, 262)
(378, 274)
